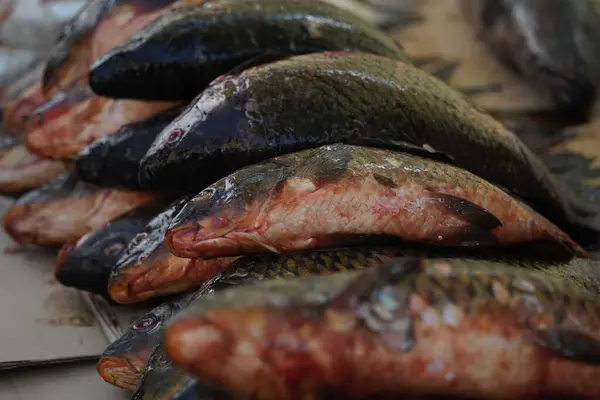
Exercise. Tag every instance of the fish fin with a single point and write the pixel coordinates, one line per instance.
(569, 343)
(405, 147)
(265, 58)
(370, 279)
(478, 217)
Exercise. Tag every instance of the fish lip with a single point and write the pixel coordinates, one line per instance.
(11, 220)
(63, 254)
(181, 240)
(120, 371)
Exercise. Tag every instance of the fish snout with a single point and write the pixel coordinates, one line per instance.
(119, 371)
(14, 220)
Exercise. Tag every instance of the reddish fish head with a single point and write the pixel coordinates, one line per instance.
(122, 371)
(222, 220)
(16, 111)
(95, 31)
(64, 126)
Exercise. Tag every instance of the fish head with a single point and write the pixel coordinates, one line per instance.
(16, 111)
(122, 362)
(88, 262)
(230, 206)
(59, 121)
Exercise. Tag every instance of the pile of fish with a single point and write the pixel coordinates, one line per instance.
(318, 215)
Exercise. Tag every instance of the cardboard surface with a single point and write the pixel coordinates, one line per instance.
(42, 320)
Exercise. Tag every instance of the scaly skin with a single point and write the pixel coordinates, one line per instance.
(65, 126)
(551, 43)
(93, 32)
(320, 197)
(65, 209)
(351, 98)
(414, 327)
(184, 49)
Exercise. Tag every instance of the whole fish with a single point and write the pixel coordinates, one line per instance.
(551, 43)
(185, 48)
(122, 363)
(100, 25)
(64, 126)
(66, 209)
(321, 197)
(86, 263)
(21, 99)
(405, 328)
(356, 99)
(147, 269)
(251, 269)
(20, 170)
(114, 160)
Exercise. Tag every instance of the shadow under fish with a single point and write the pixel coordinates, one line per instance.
(185, 48)
(86, 263)
(66, 209)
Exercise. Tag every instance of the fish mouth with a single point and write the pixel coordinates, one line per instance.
(123, 371)
(193, 241)
(63, 254)
(13, 223)
(164, 276)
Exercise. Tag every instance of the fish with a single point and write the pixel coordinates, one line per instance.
(164, 379)
(21, 171)
(403, 328)
(146, 269)
(185, 48)
(124, 360)
(86, 264)
(114, 160)
(65, 209)
(98, 27)
(358, 99)
(61, 128)
(21, 99)
(551, 44)
(325, 196)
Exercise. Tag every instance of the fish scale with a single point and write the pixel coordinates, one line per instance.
(423, 326)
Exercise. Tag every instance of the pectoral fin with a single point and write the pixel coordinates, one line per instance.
(570, 343)
(475, 215)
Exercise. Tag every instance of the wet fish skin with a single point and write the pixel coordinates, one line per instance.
(361, 99)
(99, 26)
(21, 171)
(392, 322)
(65, 209)
(336, 192)
(124, 360)
(550, 43)
(86, 263)
(65, 125)
(184, 49)
(113, 160)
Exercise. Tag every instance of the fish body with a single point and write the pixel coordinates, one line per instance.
(21, 99)
(412, 327)
(61, 128)
(114, 160)
(122, 363)
(20, 170)
(65, 209)
(86, 263)
(321, 197)
(184, 49)
(551, 44)
(147, 269)
(99, 26)
(352, 98)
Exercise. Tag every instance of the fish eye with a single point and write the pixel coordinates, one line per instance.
(114, 249)
(144, 324)
(174, 136)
